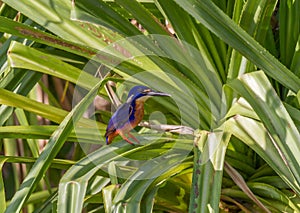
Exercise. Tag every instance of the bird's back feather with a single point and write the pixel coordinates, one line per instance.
(119, 118)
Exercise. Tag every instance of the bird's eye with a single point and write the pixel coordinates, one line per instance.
(146, 91)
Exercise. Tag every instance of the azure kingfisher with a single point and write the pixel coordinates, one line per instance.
(129, 114)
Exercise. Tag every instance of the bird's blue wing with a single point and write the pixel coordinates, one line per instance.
(119, 118)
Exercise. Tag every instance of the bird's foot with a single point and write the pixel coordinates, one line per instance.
(133, 137)
(126, 139)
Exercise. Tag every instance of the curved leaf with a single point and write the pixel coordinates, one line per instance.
(55, 143)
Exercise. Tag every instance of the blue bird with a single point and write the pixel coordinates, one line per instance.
(129, 114)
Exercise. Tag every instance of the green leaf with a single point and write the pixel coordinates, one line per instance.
(84, 170)
(52, 148)
(294, 113)
(21, 56)
(2, 188)
(144, 17)
(25, 31)
(103, 14)
(132, 191)
(238, 179)
(31, 143)
(195, 34)
(254, 134)
(220, 24)
(55, 16)
(108, 195)
(82, 134)
(274, 195)
(208, 170)
(255, 19)
(295, 66)
(56, 163)
(46, 111)
(290, 30)
(74, 190)
(257, 90)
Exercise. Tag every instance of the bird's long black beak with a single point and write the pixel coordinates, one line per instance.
(154, 93)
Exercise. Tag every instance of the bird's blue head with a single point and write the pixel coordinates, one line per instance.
(143, 92)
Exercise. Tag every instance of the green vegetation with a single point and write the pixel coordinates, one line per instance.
(232, 68)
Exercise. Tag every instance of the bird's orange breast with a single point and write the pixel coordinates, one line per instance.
(138, 113)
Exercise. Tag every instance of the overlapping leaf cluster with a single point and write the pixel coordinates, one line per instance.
(233, 68)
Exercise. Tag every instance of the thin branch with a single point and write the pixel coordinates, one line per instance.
(108, 87)
(185, 130)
